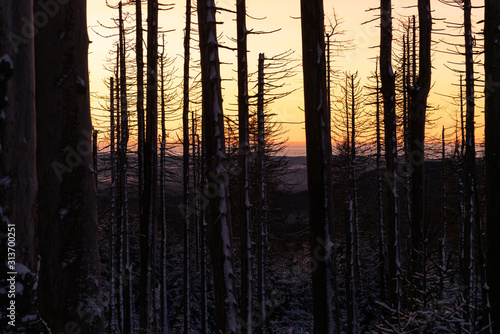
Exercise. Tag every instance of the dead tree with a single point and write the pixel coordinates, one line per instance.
(125, 268)
(67, 225)
(389, 97)
(318, 163)
(185, 170)
(244, 150)
(163, 208)
(139, 55)
(492, 154)
(261, 210)
(219, 231)
(418, 107)
(150, 208)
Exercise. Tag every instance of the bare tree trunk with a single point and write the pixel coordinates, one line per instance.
(318, 164)
(246, 301)
(203, 242)
(113, 302)
(389, 96)
(185, 172)
(163, 197)
(492, 155)
(94, 158)
(445, 193)
(150, 208)
(18, 175)
(260, 225)
(126, 269)
(219, 227)
(139, 57)
(67, 233)
(419, 93)
(381, 222)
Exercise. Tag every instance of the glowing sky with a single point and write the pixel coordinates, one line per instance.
(284, 14)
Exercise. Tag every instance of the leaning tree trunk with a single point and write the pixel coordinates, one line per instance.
(492, 154)
(149, 210)
(69, 283)
(318, 145)
(219, 227)
(244, 150)
(389, 96)
(18, 177)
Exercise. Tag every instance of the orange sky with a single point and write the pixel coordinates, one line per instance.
(283, 14)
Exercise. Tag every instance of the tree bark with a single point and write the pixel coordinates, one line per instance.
(418, 107)
(219, 227)
(389, 96)
(260, 225)
(318, 146)
(492, 154)
(18, 176)
(185, 172)
(246, 301)
(150, 208)
(69, 283)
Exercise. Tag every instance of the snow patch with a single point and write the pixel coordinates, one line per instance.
(63, 212)
(5, 181)
(6, 59)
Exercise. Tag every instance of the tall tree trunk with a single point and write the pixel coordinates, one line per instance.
(389, 96)
(69, 283)
(381, 222)
(260, 224)
(244, 150)
(492, 154)
(418, 106)
(18, 176)
(185, 172)
(125, 269)
(139, 58)
(219, 227)
(113, 302)
(150, 207)
(163, 208)
(318, 143)
(471, 209)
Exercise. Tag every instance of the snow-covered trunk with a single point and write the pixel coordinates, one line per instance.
(139, 58)
(260, 223)
(318, 145)
(125, 269)
(18, 177)
(492, 154)
(196, 197)
(148, 219)
(217, 189)
(418, 106)
(246, 300)
(163, 318)
(113, 305)
(389, 97)
(407, 82)
(70, 280)
(471, 209)
(381, 223)
(185, 172)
